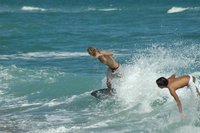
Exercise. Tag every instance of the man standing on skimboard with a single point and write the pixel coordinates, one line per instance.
(106, 58)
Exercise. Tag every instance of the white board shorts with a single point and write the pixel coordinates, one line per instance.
(113, 74)
(193, 84)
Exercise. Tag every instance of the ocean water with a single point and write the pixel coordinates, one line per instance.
(46, 75)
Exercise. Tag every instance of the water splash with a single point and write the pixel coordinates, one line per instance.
(138, 86)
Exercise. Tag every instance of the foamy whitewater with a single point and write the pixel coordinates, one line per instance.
(30, 8)
(177, 9)
(182, 9)
(46, 74)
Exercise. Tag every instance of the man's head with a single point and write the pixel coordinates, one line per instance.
(92, 51)
(162, 82)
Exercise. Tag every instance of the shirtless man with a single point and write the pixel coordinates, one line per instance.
(174, 83)
(106, 58)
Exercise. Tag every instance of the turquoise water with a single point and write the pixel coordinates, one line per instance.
(46, 75)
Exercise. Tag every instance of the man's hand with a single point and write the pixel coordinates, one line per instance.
(182, 116)
(98, 54)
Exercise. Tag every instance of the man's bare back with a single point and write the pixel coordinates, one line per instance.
(108, 60)
(176, 83)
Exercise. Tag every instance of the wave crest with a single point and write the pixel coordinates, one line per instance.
(177, 9)
(103, 9)
(35, 55)
(31, 8)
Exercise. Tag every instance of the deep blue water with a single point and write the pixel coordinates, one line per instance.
(46, 75)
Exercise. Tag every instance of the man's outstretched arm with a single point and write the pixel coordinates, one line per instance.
(106, 53)
(178, 102)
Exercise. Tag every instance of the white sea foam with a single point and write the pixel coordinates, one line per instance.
(99, 124)
(29, 104)
(35, 55)
(75, 97)
(60, 129)
(188, 129)
(53, 102)
(58, 116)
(31, 8)
(182, 9)
(177, 9)
(108, 9)
(68, 100)
(5, 78)
(103, 9)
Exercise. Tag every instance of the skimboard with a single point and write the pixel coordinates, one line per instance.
(103, 93)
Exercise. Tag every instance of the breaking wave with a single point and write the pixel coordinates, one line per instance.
(31, 8)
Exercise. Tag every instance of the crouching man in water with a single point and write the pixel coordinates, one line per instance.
(174, 83)
(106, 58)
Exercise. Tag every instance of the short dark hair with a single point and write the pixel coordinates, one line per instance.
(162, 82)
